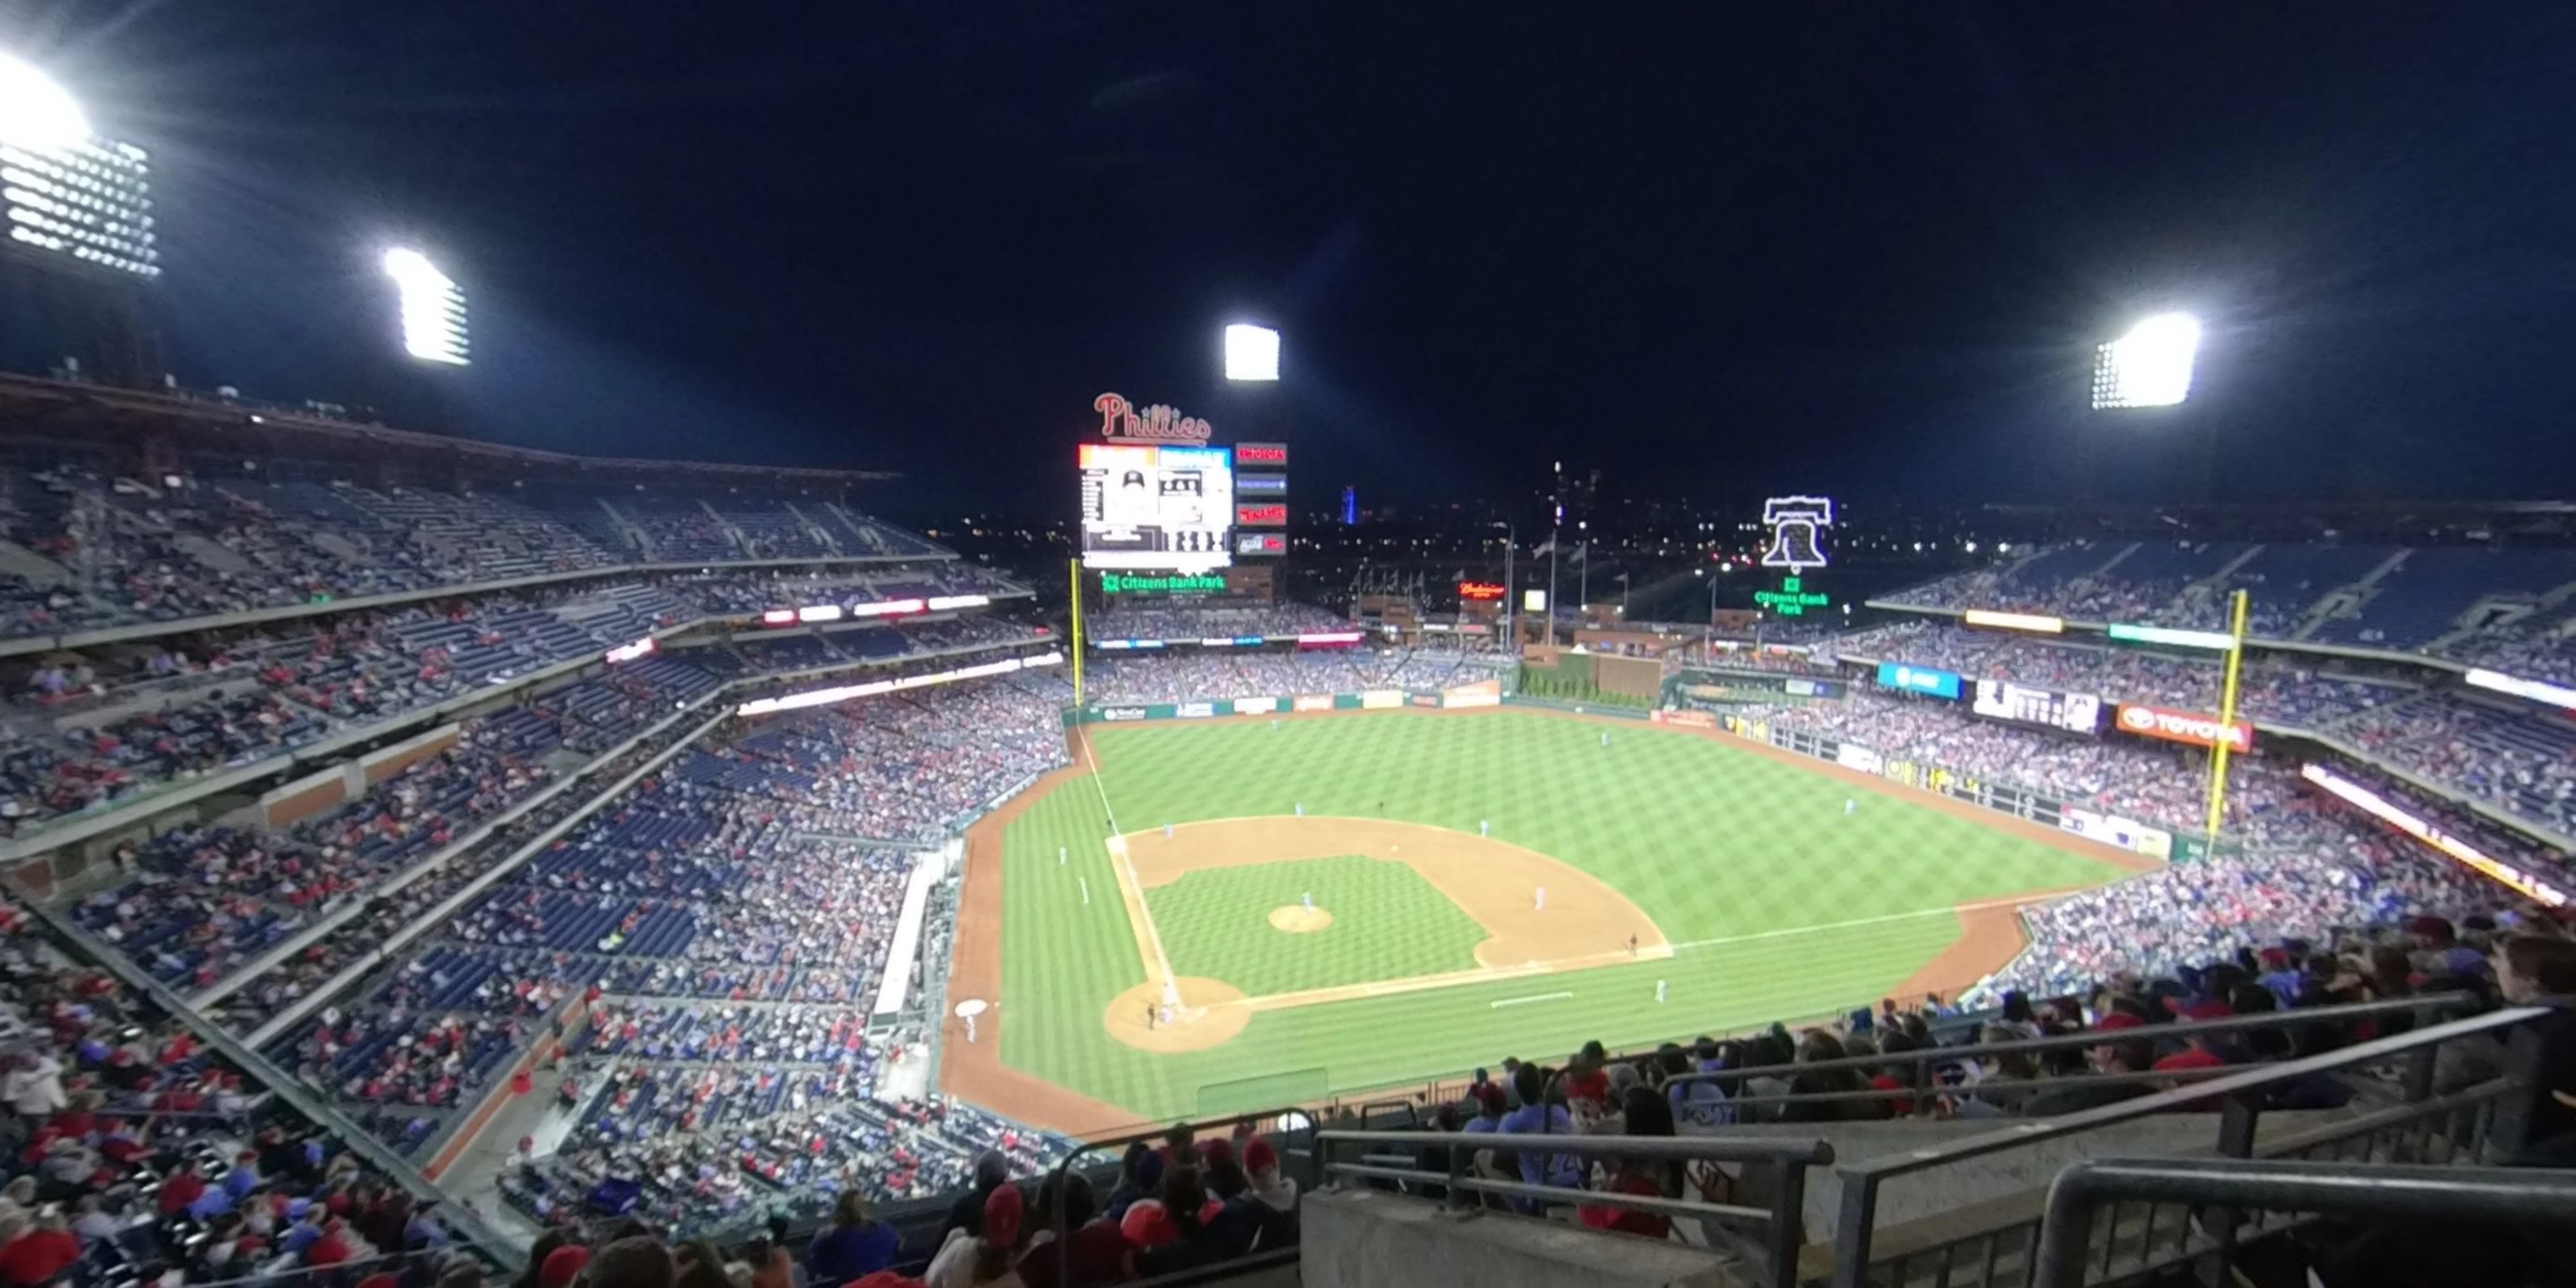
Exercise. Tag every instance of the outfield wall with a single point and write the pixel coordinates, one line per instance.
(2003, 798)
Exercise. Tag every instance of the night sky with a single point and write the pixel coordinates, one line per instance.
(1711, 248)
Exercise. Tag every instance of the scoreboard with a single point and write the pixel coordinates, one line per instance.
(1157, 507)
(2047, 708)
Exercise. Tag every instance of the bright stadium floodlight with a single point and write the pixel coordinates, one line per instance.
(37, 113)
(1251, 352)
(433, 309)
(2148, 367)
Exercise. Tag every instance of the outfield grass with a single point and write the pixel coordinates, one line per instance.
(1388, 923)
(1779, 905)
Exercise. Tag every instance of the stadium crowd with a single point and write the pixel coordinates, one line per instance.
(138, 1157)
(123, 549)
(1220, 674)
(1179, 622)
(87, 732)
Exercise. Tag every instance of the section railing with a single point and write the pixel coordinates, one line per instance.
(1388, 1156)
(2483, 1120)
(2220, 1187)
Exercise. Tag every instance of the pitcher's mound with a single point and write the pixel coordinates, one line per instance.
(1298, 919)
(1201, 1021)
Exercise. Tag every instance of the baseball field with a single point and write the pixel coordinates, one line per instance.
(1356, 900)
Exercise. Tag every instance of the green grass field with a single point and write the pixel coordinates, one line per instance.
(1389, 924)
(1778, 905)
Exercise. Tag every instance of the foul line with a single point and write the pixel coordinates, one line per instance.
(1534, 997)
(1131, 890)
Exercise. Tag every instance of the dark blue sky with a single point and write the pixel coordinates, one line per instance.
(1713, 248)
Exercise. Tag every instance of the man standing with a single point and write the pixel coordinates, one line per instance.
(1484, 827)
(1541, 899)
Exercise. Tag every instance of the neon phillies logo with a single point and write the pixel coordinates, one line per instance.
(1155, 424)
(1480, 590)
(2184, 726)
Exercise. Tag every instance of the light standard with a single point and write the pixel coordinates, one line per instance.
(1511, 612)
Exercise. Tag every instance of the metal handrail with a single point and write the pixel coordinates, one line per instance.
(1784, 1227)
(1861, 1180)
(2094, 1037)
(2484, 1194)
(2240, 1078)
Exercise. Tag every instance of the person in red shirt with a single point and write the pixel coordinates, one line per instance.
(39, 1255)
(332, 1248)
(1642, 1113)
(180, 1189)
(1587, 1077)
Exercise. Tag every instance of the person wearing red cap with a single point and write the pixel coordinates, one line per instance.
(967, 1260)
(562, 1266)
(1268, 1188)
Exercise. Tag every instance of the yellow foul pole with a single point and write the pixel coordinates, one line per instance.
(1073, 581)
(2226, 715)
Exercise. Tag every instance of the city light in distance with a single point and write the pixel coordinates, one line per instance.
(2148, 367)
(433, 309)
(1251, 352)
(35, 112)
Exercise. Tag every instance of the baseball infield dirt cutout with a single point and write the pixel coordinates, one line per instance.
(1539, 914)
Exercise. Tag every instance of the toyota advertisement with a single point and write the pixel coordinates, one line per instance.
(2184, 726)
(1918, 679)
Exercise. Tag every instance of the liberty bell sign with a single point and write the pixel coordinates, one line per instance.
(1793, 521)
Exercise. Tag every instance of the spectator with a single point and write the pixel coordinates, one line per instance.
(635, 1261)
(854, 1244)
(967, 1258)
(1645, 1115)
(992, 1171)
(2529, 967)
(1538, 1116)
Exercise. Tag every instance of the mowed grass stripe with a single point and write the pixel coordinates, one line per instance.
(1388, 923)
(1712, 841)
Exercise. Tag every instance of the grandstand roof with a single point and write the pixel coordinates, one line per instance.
(50, 408)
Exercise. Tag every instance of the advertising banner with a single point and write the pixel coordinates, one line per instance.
(1381, 699)
(1423, 700)
(1255, 706)
(1483, 693)
(1122, 713)
(1918, 679)
(1314, 702)
(1685, 719)
(2183, 726)
(2128, 834)
(1194, 710)
(1858, 757)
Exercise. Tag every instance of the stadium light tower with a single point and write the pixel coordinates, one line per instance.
(433, 309)
(37, 113)
(2148, 367)
(1251, 353)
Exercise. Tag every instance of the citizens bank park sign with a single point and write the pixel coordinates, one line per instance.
(2184, 726)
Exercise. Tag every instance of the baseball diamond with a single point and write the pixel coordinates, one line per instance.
(1331, 902)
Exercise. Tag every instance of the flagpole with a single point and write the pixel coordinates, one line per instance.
(1582, 577)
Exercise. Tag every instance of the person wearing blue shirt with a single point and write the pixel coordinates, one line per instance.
(853, 1246)
(1534, 1118)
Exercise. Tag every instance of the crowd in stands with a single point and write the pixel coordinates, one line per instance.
(1195, 622)
(138, 1157)
(743, 876)
(178, 546)
(201, 901)
(2489, 606)
(1220, 674)
(94, 734)
(2270, 690)
(2522, 762)
(1194, 1201)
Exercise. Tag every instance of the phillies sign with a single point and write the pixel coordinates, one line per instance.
(1122, 423)
(2185, 726)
